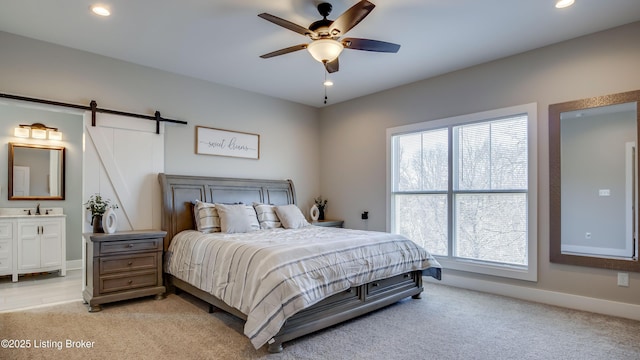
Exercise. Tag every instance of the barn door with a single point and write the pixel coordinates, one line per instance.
(122, 159)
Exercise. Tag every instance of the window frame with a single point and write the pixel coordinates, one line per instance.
(529, 272)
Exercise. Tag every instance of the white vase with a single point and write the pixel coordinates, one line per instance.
(314, 212)
(109, 221)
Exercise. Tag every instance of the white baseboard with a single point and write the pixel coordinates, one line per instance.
(577, 302)
(74, 264)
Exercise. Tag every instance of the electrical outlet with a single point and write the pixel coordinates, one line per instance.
(365, 215)
(587, 235)
(623, 279)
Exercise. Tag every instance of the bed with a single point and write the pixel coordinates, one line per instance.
(303, 312)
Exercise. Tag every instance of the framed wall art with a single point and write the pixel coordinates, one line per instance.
(211, 141)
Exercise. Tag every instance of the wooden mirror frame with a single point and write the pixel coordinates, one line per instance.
(12, 146)
(555, 221)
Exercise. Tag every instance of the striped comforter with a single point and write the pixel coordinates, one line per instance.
(270, 275)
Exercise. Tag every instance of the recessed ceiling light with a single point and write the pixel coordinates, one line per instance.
(564, 3)
(328, 83)
(100, 10)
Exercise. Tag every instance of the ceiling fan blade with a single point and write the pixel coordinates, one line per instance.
(370, 45)
(332, 66)
(284, 51)
(350, 18)
(287, 24)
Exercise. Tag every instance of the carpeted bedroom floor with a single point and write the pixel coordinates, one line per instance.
(447, 323)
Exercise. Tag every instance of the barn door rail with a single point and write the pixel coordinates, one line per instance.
(93, 107)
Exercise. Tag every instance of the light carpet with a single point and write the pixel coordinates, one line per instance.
(447, 323)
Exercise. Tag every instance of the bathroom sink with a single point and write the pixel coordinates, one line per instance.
(30, 211)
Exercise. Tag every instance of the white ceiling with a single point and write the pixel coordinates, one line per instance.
(221, 40)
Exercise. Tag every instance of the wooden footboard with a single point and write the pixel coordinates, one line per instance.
(335, 309)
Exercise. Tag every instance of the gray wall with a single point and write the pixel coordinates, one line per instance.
(353, 153)
(288, 132)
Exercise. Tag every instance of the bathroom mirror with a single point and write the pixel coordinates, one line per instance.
(36, 172)
(593, 175)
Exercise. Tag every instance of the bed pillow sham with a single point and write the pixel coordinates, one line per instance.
(206, 217)
(267, 216)
(237, 218)
(291, 217)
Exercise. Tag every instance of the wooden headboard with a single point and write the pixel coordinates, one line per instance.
(180, 191)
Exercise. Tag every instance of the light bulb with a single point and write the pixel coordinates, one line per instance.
(564, 3)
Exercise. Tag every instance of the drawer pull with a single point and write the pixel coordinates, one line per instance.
(349, 290)
(375, 284)
(130, 263)
(406, 276)
(130, 245)
(130, 282)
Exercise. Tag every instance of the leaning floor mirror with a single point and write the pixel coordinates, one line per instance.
(593, 174)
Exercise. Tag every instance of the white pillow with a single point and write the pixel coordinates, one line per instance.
(237, 218)
(291, 217)
(206, 217)
(267, 216)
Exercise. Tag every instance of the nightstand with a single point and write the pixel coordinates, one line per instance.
(329, 223)
(121, 266)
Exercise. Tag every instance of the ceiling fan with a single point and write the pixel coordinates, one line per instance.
(325, 34)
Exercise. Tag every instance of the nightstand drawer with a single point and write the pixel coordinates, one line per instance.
(115, 264)
(115, 247)
(128, 281)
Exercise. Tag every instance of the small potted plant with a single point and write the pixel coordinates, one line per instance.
(321, 204)
(98, 205)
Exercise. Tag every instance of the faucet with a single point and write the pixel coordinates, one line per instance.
(38, 209)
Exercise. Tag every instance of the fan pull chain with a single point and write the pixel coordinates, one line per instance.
(324, 84)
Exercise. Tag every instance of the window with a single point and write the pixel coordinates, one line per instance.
(465, 189)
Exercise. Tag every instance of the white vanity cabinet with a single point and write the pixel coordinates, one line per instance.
(32, 244)
(6, 247)
(40, 245)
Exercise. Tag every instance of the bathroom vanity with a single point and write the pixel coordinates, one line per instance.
(32, 243)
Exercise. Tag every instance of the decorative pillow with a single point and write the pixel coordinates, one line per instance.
(206, 217)
(291, 216)
(237, 218)
(267, 216)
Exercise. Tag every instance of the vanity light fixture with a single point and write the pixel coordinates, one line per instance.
(37, 131)
(560, 4)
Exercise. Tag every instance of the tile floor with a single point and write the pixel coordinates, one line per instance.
(38, 290)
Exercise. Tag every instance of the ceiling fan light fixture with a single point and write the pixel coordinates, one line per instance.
(564, 3)
(325, 50)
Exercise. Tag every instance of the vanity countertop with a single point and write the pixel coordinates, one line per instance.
(23, 212)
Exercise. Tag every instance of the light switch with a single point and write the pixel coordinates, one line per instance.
(604, 192)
